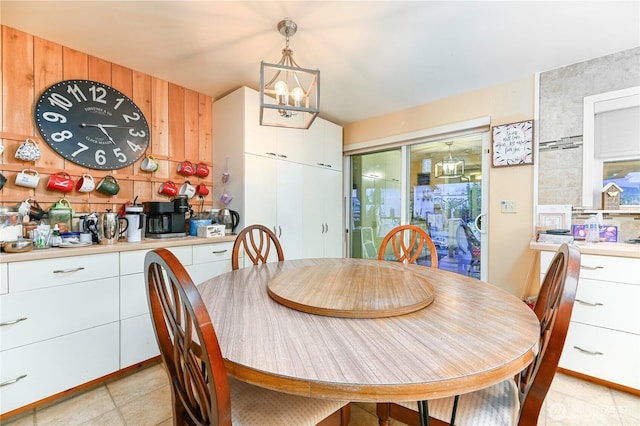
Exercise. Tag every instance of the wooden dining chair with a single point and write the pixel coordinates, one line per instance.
(256, 240)
(512, 401)
(201, 392)
(408, 242)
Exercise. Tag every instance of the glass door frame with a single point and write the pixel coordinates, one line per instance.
(404, 141)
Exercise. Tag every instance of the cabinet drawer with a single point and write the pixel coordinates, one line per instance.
(56, 365)
(132, 262)
(4, 279)
(605, 268)
(65, 270)
(54, 311)
(137, 340)
(612, 355)
(212, 252)
(607, 304)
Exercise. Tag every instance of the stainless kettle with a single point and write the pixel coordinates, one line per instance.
(110, 225)
(230, 219)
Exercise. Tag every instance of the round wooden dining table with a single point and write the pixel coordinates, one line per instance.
(470, 335)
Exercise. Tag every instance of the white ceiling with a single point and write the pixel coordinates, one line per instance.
(374, 57)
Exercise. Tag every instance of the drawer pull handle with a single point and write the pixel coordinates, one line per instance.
(582, 302)
(588, 351)
(9, 382)
(15, 321)
(591, 268)
(67, 271)
(271, 153)
(219, 251)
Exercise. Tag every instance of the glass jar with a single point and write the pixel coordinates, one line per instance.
(10, 224)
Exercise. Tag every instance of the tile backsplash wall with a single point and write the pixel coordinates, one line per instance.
(560, 129)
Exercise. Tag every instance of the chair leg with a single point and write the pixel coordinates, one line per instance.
(423, 411)
(382, 410)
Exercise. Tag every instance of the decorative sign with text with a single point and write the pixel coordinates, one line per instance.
(512, 144)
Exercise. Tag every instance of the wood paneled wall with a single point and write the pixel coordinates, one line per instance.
(179, 120)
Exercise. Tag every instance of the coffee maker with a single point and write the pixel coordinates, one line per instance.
(164, 220)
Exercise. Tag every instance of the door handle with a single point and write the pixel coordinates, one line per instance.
(477, 223)
(15, 321)
(582, 302)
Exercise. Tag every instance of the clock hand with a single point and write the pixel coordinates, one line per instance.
(106, 125)
(101, 127)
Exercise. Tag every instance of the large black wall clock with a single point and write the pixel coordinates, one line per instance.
(92, 124)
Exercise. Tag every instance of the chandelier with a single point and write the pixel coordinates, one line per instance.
(449, 167)
(289, 95)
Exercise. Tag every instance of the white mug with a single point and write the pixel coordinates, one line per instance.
(187, 189)
(28, 178)
(86, 183)
(149, 164)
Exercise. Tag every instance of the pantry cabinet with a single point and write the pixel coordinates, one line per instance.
(603, 340)
(289, 180)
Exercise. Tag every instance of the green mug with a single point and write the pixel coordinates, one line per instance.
(108, 185)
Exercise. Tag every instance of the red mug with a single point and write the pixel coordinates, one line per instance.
(201, 189)
(202, 170)
(186, 168)
(168, 188)
(61, 181)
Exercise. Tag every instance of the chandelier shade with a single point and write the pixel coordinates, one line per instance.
(289, 94)
(449, 167)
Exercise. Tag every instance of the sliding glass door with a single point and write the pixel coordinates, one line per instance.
(443, 194)
(375, 200)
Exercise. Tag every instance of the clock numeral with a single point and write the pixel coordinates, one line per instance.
(137, 133)
(99, 94)
(134, 146)
(119, 102)
(57, 100)
(54, 117)
(100, 157)
(120, 155)
(61, 136)
(76, 92)
(134, 117)
(83, 148)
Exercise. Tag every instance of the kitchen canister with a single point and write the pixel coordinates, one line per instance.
(61, 214)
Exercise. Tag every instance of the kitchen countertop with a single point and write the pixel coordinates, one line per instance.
(147, 244)
(604, 249)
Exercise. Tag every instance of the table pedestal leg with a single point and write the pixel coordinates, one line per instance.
(423, 412)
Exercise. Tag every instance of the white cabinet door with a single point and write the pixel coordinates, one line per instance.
(314, 225)
(259, 140)
(57, 365)
(322, 213)
(137, 340)
(606, 354)
(289, 208)
(290, 144)
(332, 144)
(260, 186)
(333, 201)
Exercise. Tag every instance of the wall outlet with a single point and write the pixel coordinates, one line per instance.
(509, 206)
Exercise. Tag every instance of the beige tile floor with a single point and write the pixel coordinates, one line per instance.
(143, 398)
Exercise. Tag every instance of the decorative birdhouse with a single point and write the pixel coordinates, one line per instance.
(611, 196)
